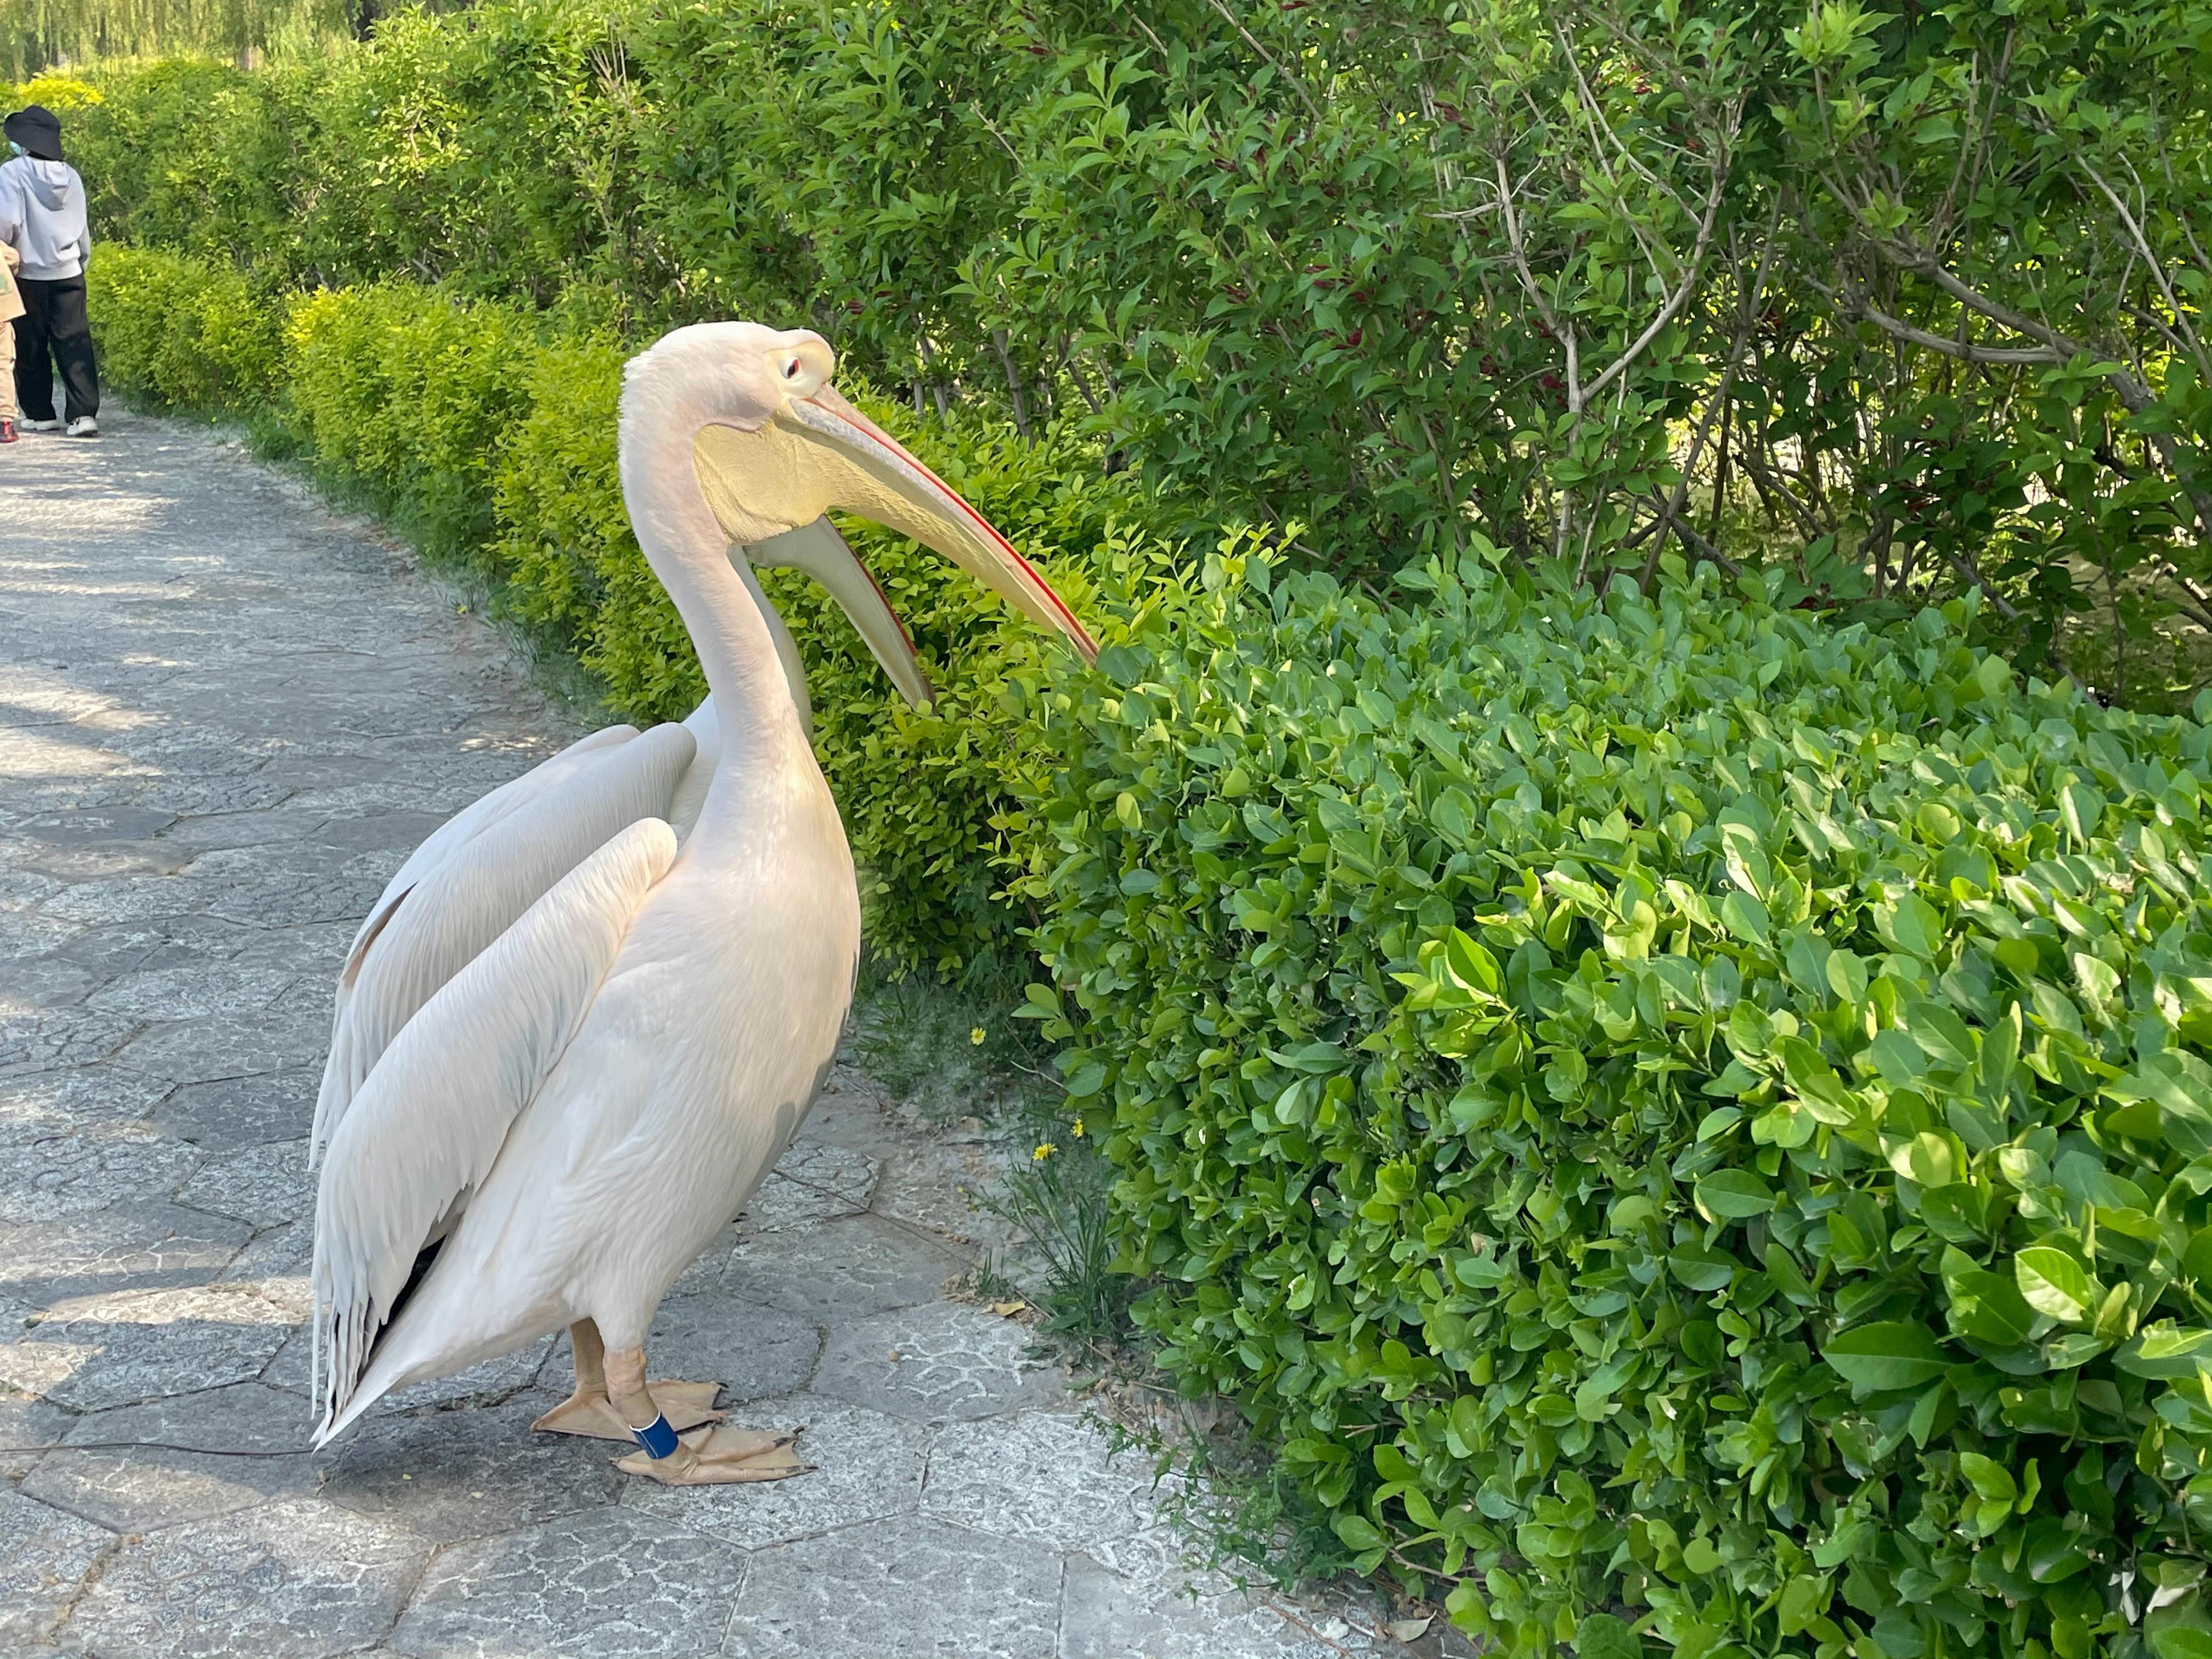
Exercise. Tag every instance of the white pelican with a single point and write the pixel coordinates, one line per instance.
(589, 1013)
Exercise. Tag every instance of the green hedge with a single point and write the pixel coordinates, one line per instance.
(487, 431)
(187, 333)
(1685, 1124)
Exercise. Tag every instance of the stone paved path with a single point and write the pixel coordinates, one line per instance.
(224, 718)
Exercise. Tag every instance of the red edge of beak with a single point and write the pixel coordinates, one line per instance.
(1078, 634)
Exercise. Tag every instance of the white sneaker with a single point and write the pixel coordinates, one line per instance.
(29, 425)
(83, 427)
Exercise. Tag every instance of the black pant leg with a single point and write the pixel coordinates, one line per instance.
(34, 375)
(70, 331)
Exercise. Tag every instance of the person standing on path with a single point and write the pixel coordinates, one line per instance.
(42, 217)
(11, 306)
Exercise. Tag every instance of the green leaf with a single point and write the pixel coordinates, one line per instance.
(1746, 917)
(1733, 1195)
(2166, 1351)
(1911, 925)
(1471, 965)
(1988, 1477)
(1989, 1309)
(1882, 1357)
(1357, 1531)
(2054, 1283)
(1604, 1635)
(2080, 806)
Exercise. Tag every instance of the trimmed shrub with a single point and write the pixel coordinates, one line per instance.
(1681, 1122)
(407, 393)
(184, 332)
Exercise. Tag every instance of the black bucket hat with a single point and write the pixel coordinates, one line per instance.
(38, 130)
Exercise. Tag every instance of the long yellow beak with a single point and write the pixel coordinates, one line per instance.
(823, 554)
(882, 480)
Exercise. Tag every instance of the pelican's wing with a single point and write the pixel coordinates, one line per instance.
(429, 1121)
(471, 820)
(472, 894)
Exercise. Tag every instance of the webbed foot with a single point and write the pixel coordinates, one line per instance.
(721, 1456)
(589, 1411)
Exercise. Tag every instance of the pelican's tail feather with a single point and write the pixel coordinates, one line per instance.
(430, 1118)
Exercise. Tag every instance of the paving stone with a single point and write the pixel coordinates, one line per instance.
(98, 827)
(275, 1256)
(211, 831)
(92, 1352)
(311, 955)
(27, 1422)
(841, 1270)
(129, 898)
(199, 991)
(264, 1186)
(899, 1589)
(27, 889)
(293, 900)
(27, 933)
(74, 1169)
(233, 868)
(612, 1585)
(243, 1111)
(812, 1181)
(934, 1189)
(1047, 1477)
(45, 1102)
(44, 1558)
(138, 1489)
(128, 947)
(223, 1046)
(401, 832)
(867, 1466)
(943, 1362)
(297, 1580)
(29, 982)
(100, 862)
(49, 1039)
(131, 1245)
(753, 1351)
(1109, 1616)
(455, 1475)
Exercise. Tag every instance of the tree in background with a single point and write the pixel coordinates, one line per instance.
(1906, 301)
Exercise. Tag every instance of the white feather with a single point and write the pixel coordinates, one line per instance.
(473, 893)
(426, 1127)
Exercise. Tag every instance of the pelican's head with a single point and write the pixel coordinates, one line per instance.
(778, 447)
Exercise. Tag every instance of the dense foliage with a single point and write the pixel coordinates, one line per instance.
(37, 35)
(1682, 1120)
(1904, 300)
(488, 433)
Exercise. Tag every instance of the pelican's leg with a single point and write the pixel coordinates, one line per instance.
(713, 1456)
(588, 1411)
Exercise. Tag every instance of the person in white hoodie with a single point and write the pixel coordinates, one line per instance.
(42, 217)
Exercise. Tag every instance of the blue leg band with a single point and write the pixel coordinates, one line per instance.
(656, 1437)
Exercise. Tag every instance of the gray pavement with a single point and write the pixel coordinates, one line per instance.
(225, 717)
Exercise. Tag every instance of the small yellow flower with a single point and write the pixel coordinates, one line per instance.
(975, 1036)
(1079, 1128)
(1042, 1152)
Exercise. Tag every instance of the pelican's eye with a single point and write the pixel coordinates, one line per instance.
(802, 365)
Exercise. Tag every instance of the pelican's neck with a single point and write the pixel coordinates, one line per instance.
(684, 543)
